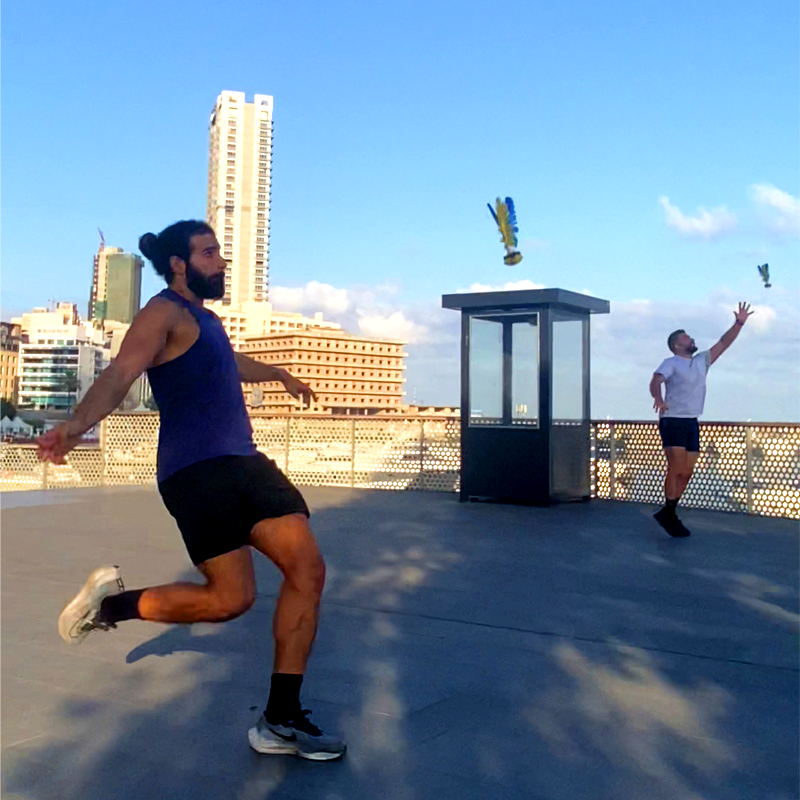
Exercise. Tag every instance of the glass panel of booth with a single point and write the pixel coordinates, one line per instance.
(504, 369)
(568, 372)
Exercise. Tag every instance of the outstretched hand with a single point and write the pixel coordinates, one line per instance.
(297, 388)
(743, 313)
(56, 443)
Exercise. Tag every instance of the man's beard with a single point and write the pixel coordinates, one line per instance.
(207, 288)
(692, 348)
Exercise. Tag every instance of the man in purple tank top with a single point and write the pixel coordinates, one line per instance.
(225, 496)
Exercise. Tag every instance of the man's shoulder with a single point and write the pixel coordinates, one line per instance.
(667, 362)
(161, 305)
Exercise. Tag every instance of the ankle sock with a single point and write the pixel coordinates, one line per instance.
(284, 697)
(672, 505)
(120, 607)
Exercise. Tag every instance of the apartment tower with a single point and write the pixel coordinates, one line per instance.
(239, 191)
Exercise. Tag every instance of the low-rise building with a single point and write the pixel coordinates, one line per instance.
(59, 358)
(350, 374)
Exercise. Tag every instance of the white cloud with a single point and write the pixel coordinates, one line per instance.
(705, 225)
(511, 286)
(313, 296)
(393, 326)
(758, 378)
(763, 318)
(783, 208)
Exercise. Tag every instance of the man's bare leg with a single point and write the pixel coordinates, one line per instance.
(680, 466)
(229, 591)
(289, 543)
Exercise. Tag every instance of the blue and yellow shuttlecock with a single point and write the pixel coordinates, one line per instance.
(506, 219)
(763, 271)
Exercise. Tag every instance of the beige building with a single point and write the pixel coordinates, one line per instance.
(352, 375)
(9, 360)
(255, 318)
(239, 191)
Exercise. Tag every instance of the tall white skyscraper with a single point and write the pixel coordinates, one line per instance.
(239, 192)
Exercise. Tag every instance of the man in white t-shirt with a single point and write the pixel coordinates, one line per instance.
(684, 375)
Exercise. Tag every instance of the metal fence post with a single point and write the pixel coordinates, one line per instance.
(749, 467)
(286, 450)
(103, 452)
(421, 450)
(45, 466)
(612, 460)
(352, 453)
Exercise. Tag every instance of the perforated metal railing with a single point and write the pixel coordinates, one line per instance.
(396, 453)
(751, 468)
(746, 467)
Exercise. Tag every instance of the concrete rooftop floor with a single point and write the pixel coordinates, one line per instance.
(465, 651)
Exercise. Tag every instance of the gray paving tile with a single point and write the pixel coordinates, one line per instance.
(466, 651)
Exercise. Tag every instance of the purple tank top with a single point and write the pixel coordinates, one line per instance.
(199, 396)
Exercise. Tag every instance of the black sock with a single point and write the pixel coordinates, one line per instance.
(284, 697)
(119, 607)
(671, 504)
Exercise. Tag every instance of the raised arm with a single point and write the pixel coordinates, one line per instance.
(729, 337)
(252, 371)
(144, 340)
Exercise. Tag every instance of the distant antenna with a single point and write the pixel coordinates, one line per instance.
(102, 239)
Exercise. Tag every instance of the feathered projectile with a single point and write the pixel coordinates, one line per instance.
(763, 271)
(506, 219)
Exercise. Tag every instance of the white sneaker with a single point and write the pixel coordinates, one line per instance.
(300, 737)
(78, 617)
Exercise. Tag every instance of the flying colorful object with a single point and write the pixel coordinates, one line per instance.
(763, 271)
(506, 219)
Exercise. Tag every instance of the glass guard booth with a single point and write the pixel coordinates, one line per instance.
(525, 394)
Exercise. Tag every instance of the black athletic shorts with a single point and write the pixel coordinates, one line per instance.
(680, 432)
(217, 502)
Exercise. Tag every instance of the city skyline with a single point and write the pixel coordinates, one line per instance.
(651, 153)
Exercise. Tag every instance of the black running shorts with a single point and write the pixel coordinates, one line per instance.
(217, 502)
(680, 432)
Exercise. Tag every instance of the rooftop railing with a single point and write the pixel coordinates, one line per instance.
(751, 468)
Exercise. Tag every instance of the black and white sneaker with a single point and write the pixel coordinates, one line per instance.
(298, 737)
(80, 615)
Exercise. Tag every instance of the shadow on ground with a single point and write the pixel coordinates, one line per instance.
(465, 652)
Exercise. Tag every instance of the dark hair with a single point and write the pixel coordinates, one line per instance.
(672, 337)
(172, 241)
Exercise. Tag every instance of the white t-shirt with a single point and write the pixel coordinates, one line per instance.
(685, 381)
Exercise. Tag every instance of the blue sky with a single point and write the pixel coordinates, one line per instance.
(612, 125)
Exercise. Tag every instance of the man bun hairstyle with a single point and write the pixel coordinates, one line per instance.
(172, 241)
(672, 337)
